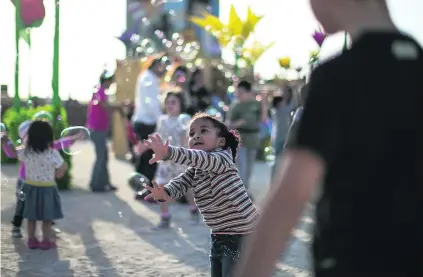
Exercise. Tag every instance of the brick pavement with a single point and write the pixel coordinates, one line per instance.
(110, 234)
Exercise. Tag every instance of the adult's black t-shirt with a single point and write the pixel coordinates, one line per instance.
(364, 118)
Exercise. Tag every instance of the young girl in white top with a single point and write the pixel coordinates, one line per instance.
(42, 165)
(172, 127)
(218, 190)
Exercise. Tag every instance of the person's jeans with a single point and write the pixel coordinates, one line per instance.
(278, 151)
(100, 172)
(224, 253)
(20, 202)
(246, 158)
(142, 165)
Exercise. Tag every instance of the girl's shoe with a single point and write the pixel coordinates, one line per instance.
(195, 216)
(164, 223)
(47, 244)
(33, 243)
(16, 232)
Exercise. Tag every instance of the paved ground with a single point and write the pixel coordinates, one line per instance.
(110, 234)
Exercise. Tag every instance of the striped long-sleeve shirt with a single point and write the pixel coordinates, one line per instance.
(218, 190)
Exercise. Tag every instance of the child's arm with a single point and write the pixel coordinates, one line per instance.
(65, 142)
(8, 147)
(216, 162)
(178, 186)
(59, 164)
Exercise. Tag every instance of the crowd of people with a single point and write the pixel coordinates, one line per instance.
(368, 218)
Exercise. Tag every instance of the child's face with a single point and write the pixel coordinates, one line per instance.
(243, 95)
(327, 12)
(173, 106)
(204, 136)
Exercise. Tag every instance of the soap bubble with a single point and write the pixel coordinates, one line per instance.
(137, 181)
(43, 115)
(68, 137)
(185, 119)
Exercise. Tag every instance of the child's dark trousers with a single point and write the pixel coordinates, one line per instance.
(224, 253)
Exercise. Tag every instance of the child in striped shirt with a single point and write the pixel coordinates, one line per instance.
(218, 190)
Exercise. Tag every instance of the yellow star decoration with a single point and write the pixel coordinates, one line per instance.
(234, 33)
(255, 51)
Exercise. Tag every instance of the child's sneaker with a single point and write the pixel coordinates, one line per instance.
(16, 232)
(164, 223)
(47, 244)
(33, 243)
(195, 216)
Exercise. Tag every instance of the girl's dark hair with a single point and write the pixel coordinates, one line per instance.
(182, 69)
(106, 76)
(232, 137)
(40, 136)
(180, 97)
(192, 79)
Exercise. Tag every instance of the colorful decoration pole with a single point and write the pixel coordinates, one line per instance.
(16, 98)
(55, 79)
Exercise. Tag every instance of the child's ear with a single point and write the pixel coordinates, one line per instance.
(222, 142)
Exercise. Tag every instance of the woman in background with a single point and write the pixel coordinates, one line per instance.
(98, 122)
(200, 96)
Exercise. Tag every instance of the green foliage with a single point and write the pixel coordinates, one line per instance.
(12, 120)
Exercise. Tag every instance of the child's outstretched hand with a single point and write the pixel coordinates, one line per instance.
(157, 192)
(160, 149)
(139, 148)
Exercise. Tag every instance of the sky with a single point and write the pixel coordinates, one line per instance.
(88, 28)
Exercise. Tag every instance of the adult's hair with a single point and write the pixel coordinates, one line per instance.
(181, 68)
(245, 85)
(193, 77)
(155, 62)
(106, 76)
(40, 136)
(232, 137)
(180, 97)
(276, 100)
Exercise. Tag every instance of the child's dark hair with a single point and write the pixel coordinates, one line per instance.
(182, 68)
(106, 76)
(276, 101)
(232, 137)
(40, 136)
(245, 85)
(180, 97)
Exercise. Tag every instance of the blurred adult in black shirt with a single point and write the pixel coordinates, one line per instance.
(200, 96)
(361, 134)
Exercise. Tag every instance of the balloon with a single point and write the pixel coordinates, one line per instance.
(319, 37)
(43, 115)
(32, 12)
(285, 62)
(69, 135)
